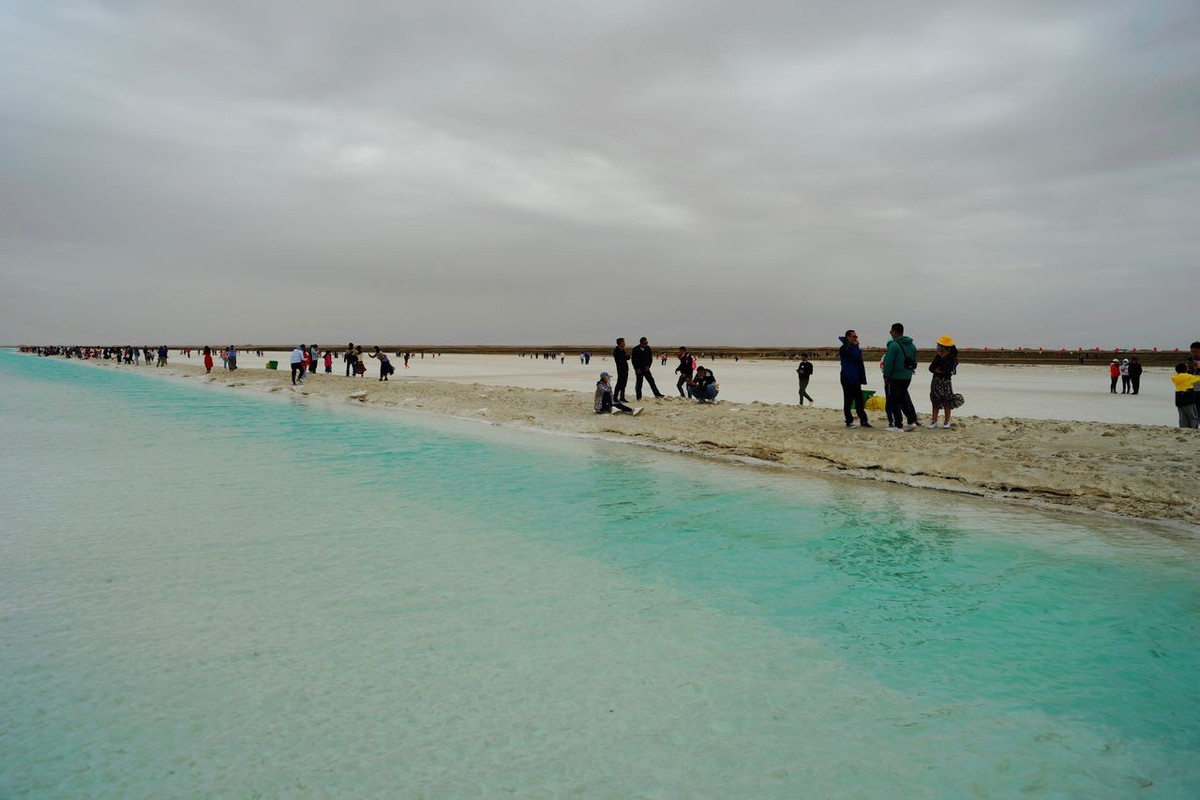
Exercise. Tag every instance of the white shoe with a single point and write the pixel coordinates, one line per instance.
(909, 427)
(947, 425)
(895, 430)
(933, 424)
(637, 411)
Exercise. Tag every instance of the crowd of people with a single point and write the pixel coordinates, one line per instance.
(898, 366)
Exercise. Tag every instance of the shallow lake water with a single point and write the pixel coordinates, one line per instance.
(204, 593)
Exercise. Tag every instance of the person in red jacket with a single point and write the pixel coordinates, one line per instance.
(1114, 372)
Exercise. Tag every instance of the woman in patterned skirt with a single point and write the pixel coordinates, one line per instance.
(941, 392)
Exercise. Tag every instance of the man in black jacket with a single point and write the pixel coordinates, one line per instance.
(643, 357)
(804, 371)
(684, 369)
(621, 360)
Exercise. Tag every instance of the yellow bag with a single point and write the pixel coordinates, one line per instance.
(875, 403)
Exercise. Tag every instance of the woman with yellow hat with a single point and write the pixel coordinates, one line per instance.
(941, 392)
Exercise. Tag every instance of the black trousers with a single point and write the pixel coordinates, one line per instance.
(852, 399)
(645, 374)
(622, 379)
(297, 370)
(899, 402)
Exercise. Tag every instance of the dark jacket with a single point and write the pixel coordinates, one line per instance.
(805, 369)
(854, 371)
(685, 366)
(621, 359)
(943, 366)
(642, 357)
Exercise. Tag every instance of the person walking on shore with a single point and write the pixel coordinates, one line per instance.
(804, 371)
(684, 369)
(643, 359)
(621, 361)
(208, 361)
(1135, 374)
(1114, 372)
(899, 362)
(853, 378)
(352, 354)
(297, 363)
(941, 391)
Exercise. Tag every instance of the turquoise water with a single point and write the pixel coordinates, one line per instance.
(205, 593)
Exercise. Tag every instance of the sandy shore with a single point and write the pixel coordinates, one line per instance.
(1141, 471)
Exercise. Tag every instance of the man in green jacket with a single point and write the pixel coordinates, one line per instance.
(899, 362)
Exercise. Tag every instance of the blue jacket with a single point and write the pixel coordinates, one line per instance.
(854, 371)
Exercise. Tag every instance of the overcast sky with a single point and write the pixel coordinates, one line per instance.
(1011, 173)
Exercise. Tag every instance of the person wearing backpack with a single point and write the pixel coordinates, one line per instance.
(899, 362)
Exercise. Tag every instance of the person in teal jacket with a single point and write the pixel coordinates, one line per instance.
(899, 362)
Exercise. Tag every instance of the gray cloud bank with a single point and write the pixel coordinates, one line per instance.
(1022, 173)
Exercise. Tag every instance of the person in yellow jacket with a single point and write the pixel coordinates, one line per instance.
(1185, 396)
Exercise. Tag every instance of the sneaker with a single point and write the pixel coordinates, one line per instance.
(851, 425)
(909, 427)
(933, 424)
(637, 411)
(895, 430)
(948, 425)
(865, 425)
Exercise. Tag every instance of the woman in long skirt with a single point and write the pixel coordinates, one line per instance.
(941, 391)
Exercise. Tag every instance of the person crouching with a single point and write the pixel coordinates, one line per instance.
(703, 387)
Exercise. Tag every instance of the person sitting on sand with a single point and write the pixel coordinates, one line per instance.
(1185, 396)
(704, 386)
(605, 403)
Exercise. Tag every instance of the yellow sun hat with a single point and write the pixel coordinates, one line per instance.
(946, 341)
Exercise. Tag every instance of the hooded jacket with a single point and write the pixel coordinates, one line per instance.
(893, 359)
(854, 371)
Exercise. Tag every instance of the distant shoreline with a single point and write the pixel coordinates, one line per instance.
(1028, 357)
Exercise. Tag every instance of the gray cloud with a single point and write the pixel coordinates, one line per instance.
(770, 172)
